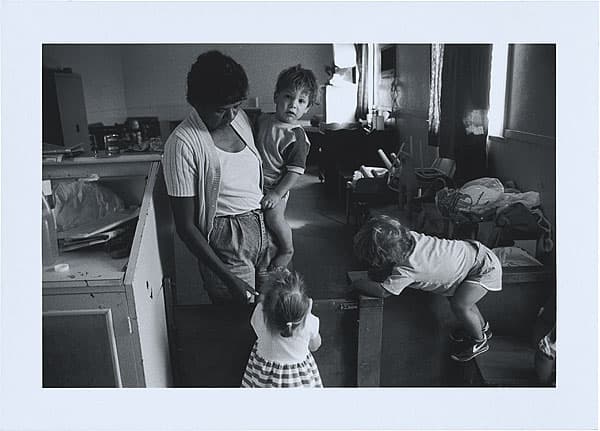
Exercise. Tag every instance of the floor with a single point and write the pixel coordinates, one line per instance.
(323, 256)
(322, 238)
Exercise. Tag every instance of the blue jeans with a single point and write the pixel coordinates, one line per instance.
(243, 244)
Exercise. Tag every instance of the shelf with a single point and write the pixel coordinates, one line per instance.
(121, 158)
(91, 265)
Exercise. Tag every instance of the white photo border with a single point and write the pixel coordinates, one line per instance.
(572, 26)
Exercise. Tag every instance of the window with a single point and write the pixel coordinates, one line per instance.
(474, 120)
(377, 78)
(498, 90)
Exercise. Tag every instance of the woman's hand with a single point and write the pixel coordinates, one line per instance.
(270, 200)
(238, 289)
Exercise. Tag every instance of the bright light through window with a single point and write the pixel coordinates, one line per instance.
(372, 76)
(497, 90)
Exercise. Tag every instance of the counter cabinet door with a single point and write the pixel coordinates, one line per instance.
(87, 341)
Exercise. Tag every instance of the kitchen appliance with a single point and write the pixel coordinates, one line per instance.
(64, 118)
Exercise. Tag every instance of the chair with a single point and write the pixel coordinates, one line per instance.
(438, 176)
(427, 182)
(422, 186)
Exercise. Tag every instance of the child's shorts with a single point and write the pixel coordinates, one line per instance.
(487, 271)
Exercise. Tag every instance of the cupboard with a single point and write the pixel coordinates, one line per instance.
(104, 320)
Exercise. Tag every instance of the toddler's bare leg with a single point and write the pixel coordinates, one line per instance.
(464, 308)
(275, 221)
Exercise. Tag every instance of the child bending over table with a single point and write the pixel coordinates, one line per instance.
(463, 271)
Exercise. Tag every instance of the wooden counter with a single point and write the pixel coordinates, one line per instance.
(85, 159)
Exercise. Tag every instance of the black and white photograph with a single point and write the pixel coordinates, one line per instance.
(396, 223)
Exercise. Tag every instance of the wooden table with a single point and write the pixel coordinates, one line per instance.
(213, 342)
(415, 347)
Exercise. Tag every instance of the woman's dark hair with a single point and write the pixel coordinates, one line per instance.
(296, 78)
(216, 79)
(285, 303)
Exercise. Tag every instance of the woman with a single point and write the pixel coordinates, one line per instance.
(213, 175)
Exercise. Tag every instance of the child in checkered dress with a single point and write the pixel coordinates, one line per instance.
(287, 332)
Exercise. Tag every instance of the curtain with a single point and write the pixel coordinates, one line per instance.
(435, 87)
(362, 56)
(463, 106)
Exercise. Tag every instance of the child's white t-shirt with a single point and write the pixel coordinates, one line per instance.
(435, 265)
(283, 350)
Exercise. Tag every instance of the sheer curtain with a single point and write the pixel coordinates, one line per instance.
(435, 87)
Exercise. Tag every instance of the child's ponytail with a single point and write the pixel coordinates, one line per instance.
(288, 331)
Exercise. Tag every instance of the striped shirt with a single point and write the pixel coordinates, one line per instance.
(283, 148)
(191, 164)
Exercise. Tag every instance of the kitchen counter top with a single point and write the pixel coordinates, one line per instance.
(121, 158)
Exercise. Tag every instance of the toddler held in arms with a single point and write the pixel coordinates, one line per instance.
(463, 271)
(283, 146)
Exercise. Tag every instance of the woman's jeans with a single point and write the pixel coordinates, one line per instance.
(243, 244)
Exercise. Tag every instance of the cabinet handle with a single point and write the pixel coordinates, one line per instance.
(129, 323)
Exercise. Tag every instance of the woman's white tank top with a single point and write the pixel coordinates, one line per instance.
(240, 182)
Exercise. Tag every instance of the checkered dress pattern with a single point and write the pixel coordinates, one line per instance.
(266, 374)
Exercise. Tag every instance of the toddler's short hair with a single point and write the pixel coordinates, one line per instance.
(285, 303)
(383, 242)
(298, 78)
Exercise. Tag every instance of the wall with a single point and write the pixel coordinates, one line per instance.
(532, 90)
(527, 153)
(155, 75)
(532, 165)
(101, 73)
(149, 80)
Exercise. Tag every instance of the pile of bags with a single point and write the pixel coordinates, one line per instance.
(487, 199)
(481, 198)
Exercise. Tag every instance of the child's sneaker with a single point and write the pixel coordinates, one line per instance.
(459, 335)
(472, 349)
